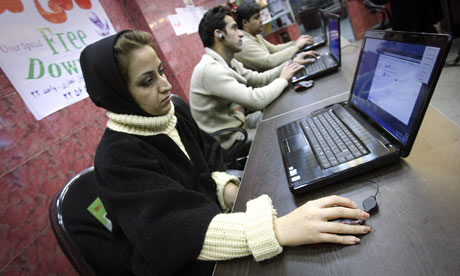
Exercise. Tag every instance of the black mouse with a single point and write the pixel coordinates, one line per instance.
(370, 205)
(302, 85)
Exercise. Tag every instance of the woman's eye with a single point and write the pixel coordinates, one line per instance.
(147, 82)
(161, 71)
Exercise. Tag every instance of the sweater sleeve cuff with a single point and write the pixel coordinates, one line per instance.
(259, 228)
(222, 179)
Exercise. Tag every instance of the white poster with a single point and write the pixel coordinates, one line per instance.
(40, 45)
(186, 20)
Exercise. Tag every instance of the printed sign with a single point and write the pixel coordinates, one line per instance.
(40, 45)
(97, 209)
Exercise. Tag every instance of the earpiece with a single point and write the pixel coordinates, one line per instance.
(221, 36)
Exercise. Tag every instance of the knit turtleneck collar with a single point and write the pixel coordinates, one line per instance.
(141, 125)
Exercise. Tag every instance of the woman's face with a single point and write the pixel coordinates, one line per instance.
(147, 83)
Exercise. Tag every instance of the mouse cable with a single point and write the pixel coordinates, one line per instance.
(452, 63)
(351, 44)
(375, 182)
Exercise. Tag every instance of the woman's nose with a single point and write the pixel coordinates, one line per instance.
(165, 86)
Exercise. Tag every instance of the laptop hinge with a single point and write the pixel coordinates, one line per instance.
(339, 109)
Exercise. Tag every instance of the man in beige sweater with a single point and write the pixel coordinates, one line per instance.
(259, 54)
(221, 88)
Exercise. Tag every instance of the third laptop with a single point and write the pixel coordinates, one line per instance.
(393, 83)
(326, 62)
(319, 39)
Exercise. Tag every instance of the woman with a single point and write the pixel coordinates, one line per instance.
(161, 181)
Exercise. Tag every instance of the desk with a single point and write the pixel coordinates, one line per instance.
(415, 232)
(325, 86)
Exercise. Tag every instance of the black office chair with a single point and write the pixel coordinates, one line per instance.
(237, 155)
(338, 7)
(85, 241)
(382, 9)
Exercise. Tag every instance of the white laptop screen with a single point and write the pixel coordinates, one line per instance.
(391, 83)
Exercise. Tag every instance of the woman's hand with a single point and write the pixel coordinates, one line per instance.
(309, 223)
(230, 192)
(289, 69)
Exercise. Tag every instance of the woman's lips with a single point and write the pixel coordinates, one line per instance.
(165, 100)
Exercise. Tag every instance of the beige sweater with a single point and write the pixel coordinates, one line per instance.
(260, 55)
(229, 235)
(219, 91)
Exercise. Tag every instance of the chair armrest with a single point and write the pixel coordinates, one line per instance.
(371, 5)
(231, 129)
(234, 156)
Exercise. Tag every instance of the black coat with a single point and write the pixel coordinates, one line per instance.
(160, 202)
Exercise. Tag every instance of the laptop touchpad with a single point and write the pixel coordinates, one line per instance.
(294, 142)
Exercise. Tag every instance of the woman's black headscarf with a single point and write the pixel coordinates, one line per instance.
(104, 83)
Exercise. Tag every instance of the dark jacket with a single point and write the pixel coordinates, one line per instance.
(159, 201)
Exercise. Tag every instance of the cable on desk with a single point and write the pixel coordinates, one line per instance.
(375, 182)
(370, 204)
(351, 44)
(453, 63)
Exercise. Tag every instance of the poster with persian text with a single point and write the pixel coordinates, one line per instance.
(40, 45)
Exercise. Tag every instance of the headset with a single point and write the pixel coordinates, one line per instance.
(221, 36)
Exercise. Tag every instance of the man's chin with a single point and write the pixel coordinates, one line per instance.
(237, 50)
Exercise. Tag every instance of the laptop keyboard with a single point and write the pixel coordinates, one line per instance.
(316, 66)
(331, 141)
(311, 68)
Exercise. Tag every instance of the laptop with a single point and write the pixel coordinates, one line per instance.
(393, 83)
(326, 62)
(318, 39)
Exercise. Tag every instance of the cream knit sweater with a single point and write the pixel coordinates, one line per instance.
(218, 91)
(260, 55)
(229, 235)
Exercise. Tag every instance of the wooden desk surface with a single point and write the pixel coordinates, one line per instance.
(325, 86)
(415, 232)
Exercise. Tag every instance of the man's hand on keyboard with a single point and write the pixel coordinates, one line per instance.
(306, 57)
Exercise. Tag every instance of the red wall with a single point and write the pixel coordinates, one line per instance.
(361, 18)
(38, 157)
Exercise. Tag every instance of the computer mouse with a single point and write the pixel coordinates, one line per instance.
(348, 221)
(302, 85)
(370, 205)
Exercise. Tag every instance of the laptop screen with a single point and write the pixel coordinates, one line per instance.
(391, 83)
(334, 36)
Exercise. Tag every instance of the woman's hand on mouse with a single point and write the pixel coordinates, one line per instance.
(309, 223)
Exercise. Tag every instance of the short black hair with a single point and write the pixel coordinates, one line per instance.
(245, 11)
(213, 19)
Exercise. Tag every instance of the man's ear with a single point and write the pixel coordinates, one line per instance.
(245, 23)
(219, 35)
(216, 34)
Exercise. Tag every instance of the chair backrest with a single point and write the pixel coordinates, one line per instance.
(85, 241)
(235, 157)
(382, 9)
